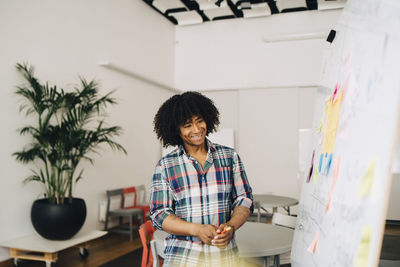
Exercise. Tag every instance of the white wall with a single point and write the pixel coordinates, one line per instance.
(64, 39)
(266, 123)
(231, 54)
(256, 87)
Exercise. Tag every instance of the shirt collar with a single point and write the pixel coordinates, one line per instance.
(210, 146)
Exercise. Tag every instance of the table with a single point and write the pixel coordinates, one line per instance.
(254, 239)
(35, 247)
(262, 201)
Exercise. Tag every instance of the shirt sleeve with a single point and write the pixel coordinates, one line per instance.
(161, 198)
(242, 192)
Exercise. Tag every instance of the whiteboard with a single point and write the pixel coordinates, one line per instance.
(344, 201)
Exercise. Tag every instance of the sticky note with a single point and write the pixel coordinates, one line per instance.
(332, 120)
(361, 259)
(368, 179)
(328, 164)
(313, 246)
(321, 123)
(321, 160)
(321, 120)
(328, 204)
(334, 93)
(333, 185)
(315, 176)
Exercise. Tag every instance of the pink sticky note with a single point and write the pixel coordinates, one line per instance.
(334, 93)
(313, 246)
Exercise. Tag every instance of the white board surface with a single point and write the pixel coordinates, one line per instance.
(343, 203)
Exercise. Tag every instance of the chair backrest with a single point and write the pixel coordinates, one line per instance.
(284, 220)
(146, 231)
(129, 197)
(141, 195)
(114, 199)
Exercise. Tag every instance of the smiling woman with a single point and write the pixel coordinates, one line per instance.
(200, 193)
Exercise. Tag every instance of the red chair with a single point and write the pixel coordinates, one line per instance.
(146, 231)
(139, 193)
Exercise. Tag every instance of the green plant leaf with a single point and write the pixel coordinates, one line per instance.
(65, 132)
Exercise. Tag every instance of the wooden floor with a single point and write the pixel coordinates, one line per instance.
(392, 229)
(112, 246)
(102, 250)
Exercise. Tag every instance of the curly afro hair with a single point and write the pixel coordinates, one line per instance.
(179, 109)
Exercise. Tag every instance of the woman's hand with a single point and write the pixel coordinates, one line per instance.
(224, 235)
(206, 233)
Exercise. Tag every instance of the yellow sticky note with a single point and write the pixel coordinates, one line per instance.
(321, 121)
(332, 120)
(368, 179)
(315, 176)
(361, 259)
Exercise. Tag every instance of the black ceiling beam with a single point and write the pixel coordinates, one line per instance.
(273, 7)
(224, 17)
(312, 4)
(294, 9)
(171, 19)
(193, 5)
(174, 10)
(238, 13)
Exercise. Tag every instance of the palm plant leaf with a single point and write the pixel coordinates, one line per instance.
(65, 131)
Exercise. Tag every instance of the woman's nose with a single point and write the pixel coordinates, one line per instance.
(196, 127)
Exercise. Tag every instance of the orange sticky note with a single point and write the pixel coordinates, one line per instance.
(313, 246)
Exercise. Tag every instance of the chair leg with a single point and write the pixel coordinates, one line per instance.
(277, 262)
(130, 228)
(266, 261)
(106, 224)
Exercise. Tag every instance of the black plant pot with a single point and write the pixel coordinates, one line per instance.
(58, 222)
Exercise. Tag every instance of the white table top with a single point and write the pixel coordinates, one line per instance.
(255, 239)
(272, 201)
(37, 243)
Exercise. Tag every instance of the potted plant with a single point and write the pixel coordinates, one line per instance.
(69, 126)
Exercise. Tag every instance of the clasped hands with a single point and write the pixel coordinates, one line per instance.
(213, 235)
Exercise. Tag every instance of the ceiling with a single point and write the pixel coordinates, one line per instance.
(188, 12)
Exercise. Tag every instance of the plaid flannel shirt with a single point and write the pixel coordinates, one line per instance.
(181, 187)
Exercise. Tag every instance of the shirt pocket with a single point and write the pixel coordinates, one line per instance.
(224, 177)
